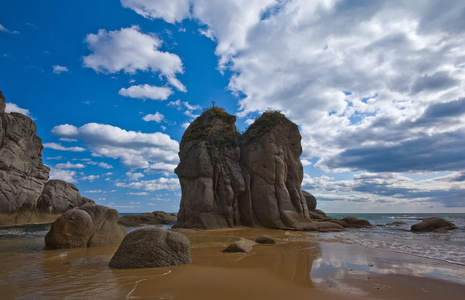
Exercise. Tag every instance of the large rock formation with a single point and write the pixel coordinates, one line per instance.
(22, 173)
(210, 173)
(152, 247)
(253, 180)
(90, 225)
(24, 195)
(154, 218)
(433, 224)
(273, 173)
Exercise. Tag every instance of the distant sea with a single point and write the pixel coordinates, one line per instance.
(446, 246)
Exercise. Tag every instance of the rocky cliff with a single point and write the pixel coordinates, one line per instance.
(23, 176)
(254, 179)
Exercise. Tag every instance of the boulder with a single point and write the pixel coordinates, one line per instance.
(264, 239)
(242, 245)
(90, 225)
(353, 222)
(433, 224)
(311, 201)
(151, 247)
(154, 218)
(22, 173)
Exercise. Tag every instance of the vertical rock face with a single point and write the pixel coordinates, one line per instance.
(271, 164)
(22, 173)
(209, 172)
(253, 180)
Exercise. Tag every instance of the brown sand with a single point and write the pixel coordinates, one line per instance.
(298, 267)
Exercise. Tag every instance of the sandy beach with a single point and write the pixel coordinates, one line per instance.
(298, 267)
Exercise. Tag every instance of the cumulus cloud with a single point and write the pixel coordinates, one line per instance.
(134, 149)
(59, 69)
(63, 174)
(171, 11)
(130, 50)
(362, 80)
(11, 107)
(157, 117)
(145, 91)
(56, 146)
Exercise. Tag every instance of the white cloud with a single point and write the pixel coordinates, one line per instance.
(134, 176)
(157, 117)
(130, 50)
(169, 10)
(134, 149)
(11, 107)
(145, 91)
(170, 184)
(69, 165)
(65, 175)
(100, 164)
(3, 29)
(90, 178)
(59, 69)
(60, 147)
(138, 194)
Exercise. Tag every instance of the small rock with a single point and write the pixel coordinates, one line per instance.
(242, 245)
(264, 239)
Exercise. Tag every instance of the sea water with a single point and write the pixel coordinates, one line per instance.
(446, 246)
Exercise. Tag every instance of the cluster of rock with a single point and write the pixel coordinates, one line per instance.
(154, 218)
(25, 195)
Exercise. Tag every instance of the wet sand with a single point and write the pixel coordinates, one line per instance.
(298, 267)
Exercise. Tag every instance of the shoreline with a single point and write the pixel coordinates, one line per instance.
(300, 266)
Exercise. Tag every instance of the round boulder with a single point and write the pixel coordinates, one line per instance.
(90, 225)
(151, 247)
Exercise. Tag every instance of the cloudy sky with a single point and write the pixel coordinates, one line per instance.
(376, 87)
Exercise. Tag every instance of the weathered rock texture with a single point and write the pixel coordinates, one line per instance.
(253, 180)
(152, 247)
(24, 195)
(22, 173)
(242, 245)
(154, 218)
(433, 224)
(90, 225)
(210, 173)
(273, 173)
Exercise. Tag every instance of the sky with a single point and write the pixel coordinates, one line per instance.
(377, 89)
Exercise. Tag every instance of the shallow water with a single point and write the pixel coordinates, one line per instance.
(298, 267)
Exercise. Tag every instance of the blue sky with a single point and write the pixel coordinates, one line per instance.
(376, 87)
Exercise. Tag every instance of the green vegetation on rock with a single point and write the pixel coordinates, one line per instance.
(267, 121)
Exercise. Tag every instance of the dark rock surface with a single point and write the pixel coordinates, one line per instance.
(311, 201)
(90, 225)
(153, 218)
(242, 245)
(433, 224)
(152, 247)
